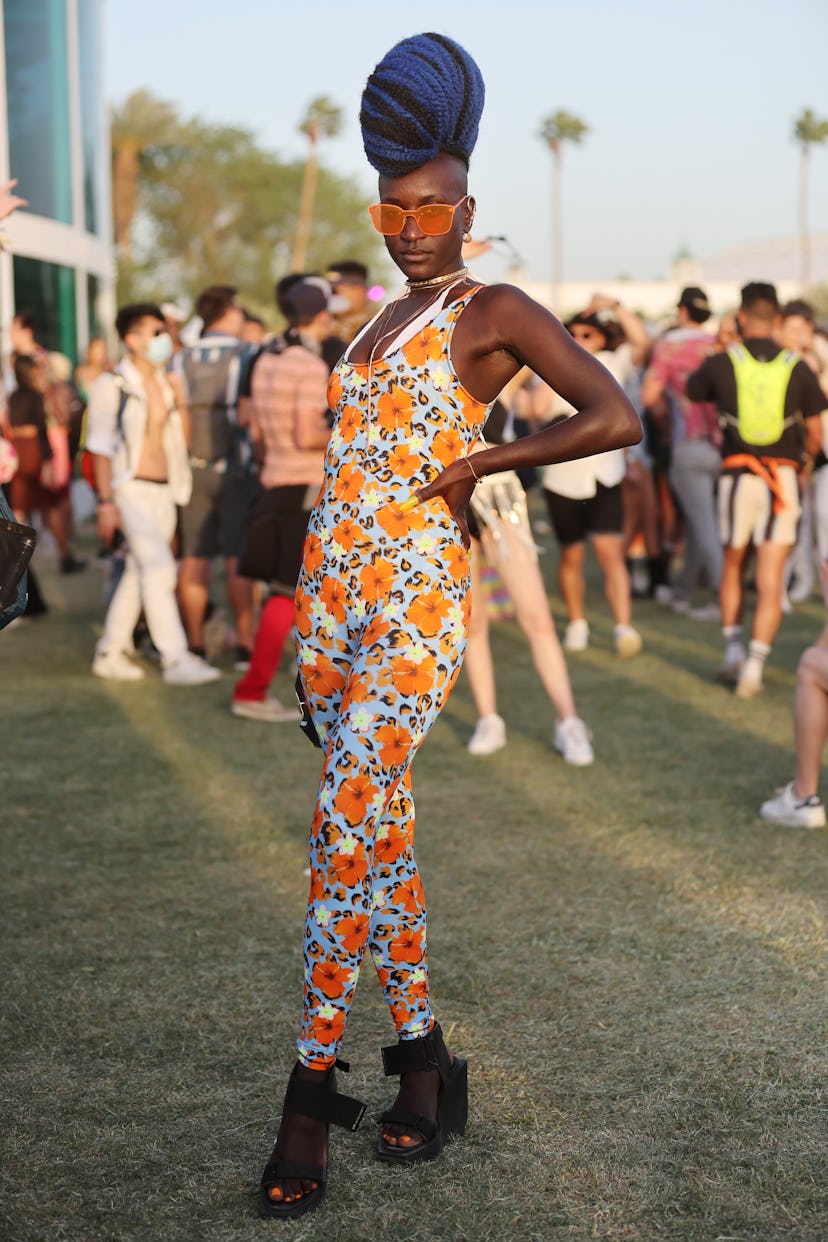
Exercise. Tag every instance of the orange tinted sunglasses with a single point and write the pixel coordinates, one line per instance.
(433, 219)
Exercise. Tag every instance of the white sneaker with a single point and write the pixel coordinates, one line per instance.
(489, 736)
(190, 670)
(572, 739)
(627, 641)
(707, 612)
(732, 665)
(269, 709)
(576, 637)
(793, 812)
(680, 605)
(748, 686)
(663, 595)
(800, 590)
(115, 666)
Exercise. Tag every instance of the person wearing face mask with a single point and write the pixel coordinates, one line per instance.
(142, 472)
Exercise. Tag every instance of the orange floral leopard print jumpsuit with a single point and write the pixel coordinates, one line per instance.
(382, 608)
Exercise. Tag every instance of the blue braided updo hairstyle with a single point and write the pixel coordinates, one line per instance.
(425, 96)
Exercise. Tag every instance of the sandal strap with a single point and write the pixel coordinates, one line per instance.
(426, 1053)
(282, 1170)
(424, 1126)
(323, 1102)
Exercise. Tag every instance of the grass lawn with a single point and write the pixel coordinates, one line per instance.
(632, 962)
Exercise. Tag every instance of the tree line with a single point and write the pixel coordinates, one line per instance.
(197, 203)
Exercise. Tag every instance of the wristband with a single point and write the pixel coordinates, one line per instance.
(106, 500)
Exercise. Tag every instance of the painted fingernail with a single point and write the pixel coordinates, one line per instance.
(407, 505)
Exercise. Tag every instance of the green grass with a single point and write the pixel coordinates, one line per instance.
(633, 963)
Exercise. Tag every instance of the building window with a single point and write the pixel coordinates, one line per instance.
(95, 158)
(38, 104)
(94, 322)
(47, 291)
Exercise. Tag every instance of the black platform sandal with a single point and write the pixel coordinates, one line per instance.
(322, 1102)
(428, 1053)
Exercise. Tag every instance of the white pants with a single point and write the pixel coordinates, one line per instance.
(148, 517)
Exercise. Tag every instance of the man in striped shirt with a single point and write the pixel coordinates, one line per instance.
(289, 408)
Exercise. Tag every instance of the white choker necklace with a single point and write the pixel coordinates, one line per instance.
(415, 285)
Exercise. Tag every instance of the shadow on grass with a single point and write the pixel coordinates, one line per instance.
(631, 964)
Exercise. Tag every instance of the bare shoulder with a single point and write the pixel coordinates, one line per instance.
(500, 316)
(505, 299)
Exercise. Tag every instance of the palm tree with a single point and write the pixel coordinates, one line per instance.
(555, 130)
(809, 131)
(323, 119)
(140, 122)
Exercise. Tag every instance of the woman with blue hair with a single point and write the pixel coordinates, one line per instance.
(382, 603)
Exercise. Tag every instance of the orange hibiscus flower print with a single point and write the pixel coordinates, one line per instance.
(330, 979)
(351, 863)
(389, 848)
(377, 579)
(347, 532)
(393, 408)
(312, 555)
(407, 946)
(456, 560)
(354, 797)
(448, 445)
(395, 741)
(411, 676)
(428, 612)
(322, 677)
(396, 524)
(333, 595)
(400, 1013)
(328, 1024)
(334, 390)
(375, 631)
(403, 461)
(410, 895)
(349, 483)
(349, 421)
(352, 931)
(302, 618)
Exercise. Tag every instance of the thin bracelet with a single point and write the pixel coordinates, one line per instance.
(476, 477)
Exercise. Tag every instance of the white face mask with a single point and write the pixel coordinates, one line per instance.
(159, 350)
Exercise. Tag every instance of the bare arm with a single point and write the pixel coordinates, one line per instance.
(501, 330)
(107, 517)
(652, 387)
(813, 435)
(632, 326)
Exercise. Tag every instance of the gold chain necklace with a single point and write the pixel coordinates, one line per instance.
(415, 285)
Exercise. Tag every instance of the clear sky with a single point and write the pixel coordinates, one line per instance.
(690, 106)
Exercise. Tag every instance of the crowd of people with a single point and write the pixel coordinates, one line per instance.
(213, 448)
(346, 468)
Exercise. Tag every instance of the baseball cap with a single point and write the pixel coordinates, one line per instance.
(305, 298)
(694, 299)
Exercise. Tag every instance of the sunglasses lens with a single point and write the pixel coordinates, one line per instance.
(386, 218)
(435, 218)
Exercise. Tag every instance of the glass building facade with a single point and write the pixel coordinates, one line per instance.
(54, 139)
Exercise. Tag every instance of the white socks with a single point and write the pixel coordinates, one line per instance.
(754, 664)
